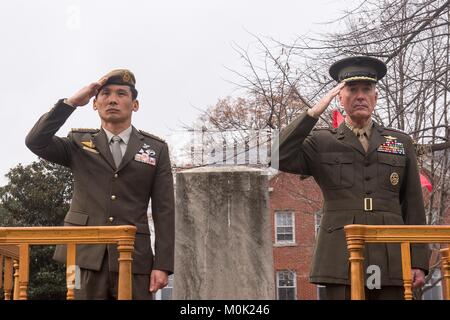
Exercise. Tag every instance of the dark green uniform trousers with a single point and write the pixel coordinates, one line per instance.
(103, 284)
(343, 292)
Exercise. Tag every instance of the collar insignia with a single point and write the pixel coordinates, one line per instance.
(88, 144)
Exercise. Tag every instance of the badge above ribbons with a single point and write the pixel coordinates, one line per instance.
(391, 145)
(146, 148)
(146, 155)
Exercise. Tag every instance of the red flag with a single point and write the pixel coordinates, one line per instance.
(424, 182)
(337, 118)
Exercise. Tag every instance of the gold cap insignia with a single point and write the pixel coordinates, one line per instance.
(394, 178)
(126, 76)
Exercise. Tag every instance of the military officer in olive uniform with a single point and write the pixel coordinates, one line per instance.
(368, 175)
(117, 170)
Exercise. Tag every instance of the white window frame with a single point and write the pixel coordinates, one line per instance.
(319, 288)
(294, 287)
(292, 214)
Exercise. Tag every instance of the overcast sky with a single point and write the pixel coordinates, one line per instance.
(178, 51)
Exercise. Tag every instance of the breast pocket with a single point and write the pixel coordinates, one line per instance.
(391, 170)
(336, 170)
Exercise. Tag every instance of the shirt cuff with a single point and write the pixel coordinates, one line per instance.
(65, 101)
(311, 113)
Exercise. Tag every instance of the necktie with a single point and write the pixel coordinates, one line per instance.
(362, 137)
(116, 151)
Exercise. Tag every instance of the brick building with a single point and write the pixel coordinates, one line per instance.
(295, 206)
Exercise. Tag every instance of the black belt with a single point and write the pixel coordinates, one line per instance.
(365, 204)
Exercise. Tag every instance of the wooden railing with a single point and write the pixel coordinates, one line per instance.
(23, 238)
(9, 270)
(357, 235)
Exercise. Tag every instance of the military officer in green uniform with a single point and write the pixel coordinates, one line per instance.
(368, 174)
(117, 170)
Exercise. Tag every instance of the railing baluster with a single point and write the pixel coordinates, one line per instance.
(24, 270)
(8, 278)
(125, 249)
(16, 280)
(406, 268)
(445, 260)
(1, 271)
(71, 270)
(355, 248)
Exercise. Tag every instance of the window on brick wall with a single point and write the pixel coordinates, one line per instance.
(284, 227)
(321, 293)
(286, 285)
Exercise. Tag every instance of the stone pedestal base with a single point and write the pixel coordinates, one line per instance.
(223, 235)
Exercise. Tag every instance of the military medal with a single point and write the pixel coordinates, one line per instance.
(391, 145)
(147, 150)
(144, 157)
(394, 178)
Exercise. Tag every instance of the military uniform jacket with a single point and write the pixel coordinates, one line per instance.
(106, 195)
(348, 177)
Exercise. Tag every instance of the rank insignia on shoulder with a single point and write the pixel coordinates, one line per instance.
(85, 130)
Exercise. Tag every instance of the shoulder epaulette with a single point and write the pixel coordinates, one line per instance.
(84, 130)
(152, 136)
(322, 127)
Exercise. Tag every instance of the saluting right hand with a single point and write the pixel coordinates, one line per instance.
(322, 105)
(82, 97)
